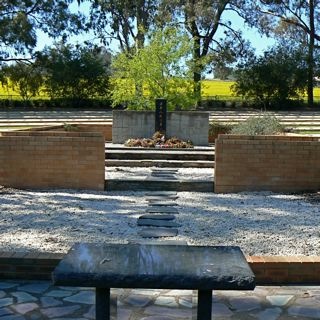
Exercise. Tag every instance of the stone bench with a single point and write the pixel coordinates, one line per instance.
(153, 266)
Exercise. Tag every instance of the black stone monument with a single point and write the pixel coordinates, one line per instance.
(161, 116)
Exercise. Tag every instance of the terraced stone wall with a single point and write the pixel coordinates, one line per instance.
(52, 160)
(186, 125)
(273, 163)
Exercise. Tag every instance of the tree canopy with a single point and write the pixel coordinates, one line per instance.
(160, 69)
(75, 72)
(141, 30)
(20, 21)
(275, 77)
(294, 19)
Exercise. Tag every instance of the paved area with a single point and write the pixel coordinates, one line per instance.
(34, 300)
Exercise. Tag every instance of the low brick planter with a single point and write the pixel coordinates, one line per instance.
(267, 163)
(73, 160)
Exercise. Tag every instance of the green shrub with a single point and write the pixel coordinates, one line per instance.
(262, 125)
(216, 128)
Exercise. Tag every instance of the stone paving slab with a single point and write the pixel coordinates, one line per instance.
(158, 223)
(162, 203)
(158, 216)
(161, 198)
(165, 173)
(264, 303)
(158, 232)
(161, 193)
(155, 201)
(162, 209)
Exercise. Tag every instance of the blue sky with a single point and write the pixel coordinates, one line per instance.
(259, 42)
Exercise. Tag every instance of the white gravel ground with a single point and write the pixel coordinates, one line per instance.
(260, 223)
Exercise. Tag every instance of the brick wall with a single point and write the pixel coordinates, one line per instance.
(274, 163)
(285, 269)
(52, 160)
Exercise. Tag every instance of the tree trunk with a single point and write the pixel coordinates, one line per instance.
(197, 70)
(311, 54)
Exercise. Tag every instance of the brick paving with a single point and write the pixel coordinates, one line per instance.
(34, 300)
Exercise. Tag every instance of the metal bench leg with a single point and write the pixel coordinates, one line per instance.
(204, 305)
(103, 304)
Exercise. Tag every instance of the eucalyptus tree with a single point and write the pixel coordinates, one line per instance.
(75, 72)
(22, 77)
(298, 20)
(20, 20)
(212, 34)
(126, 21)
(274, 78)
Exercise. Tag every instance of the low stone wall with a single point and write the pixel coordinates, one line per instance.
(186, 125)
(273, 163)
(52, 160)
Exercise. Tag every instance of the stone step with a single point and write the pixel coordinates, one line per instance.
(158, 185)
(144, 154)
(159, 163)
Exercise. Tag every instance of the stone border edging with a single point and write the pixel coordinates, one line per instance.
(269, 270)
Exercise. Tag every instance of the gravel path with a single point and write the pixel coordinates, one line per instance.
(260, 223)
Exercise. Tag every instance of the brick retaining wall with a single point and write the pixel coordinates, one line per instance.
(269, 270)
(52, 160)
(273, 163)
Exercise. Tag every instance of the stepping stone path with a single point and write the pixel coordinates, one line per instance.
(158, 216)
(162, 209)
(158, 232)
(163, 174)
(157, 223)
(158, 220)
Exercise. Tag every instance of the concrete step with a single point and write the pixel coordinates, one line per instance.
(159, 163)
(158, 185)
(163, 154)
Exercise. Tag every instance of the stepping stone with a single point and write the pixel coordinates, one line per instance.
(161, 193)
(165, 170)
(162, 178)
(158, 223)
(163, 242)
(162, 209)
(158, 216)
(165, 174)
(163, 203)
(158, 232)
(161, 198)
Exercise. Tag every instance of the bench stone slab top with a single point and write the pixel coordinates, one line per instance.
(155, 266)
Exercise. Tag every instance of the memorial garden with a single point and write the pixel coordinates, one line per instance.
(157, 162)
